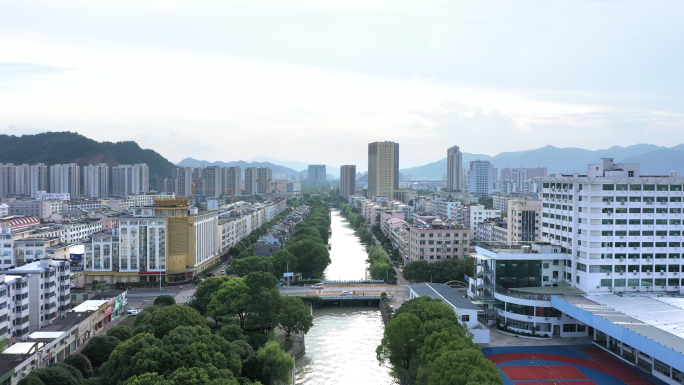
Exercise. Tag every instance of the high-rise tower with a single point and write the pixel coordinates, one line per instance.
(454, 168)
(383, 169)
(347, 180)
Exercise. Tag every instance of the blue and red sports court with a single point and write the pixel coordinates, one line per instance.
(564, 365)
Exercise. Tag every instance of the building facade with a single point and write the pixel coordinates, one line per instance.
(316, 174)
(432, 239)
(481, 183)
(96, 181)
(383, 169)
(251, 181)
(524, 221)
(130, 180)
(66, 178)
(454, 168)
(347, 181)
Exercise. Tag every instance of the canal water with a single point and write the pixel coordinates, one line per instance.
(340, 347)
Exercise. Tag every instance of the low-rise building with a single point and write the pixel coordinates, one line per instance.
(524, 221)
(431, 238)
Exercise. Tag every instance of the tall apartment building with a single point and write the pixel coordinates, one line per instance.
(38, 175)
(264, 178)
(7, 179)
(96, 181)
(347, 181)
(22, 184)
(212, 182)
(130, 179)
(182, 182)
(524, 221)
(316, 174)
(383, 169)
(622, 231)
(495, 174)
(454, 168)
(250, 181)
(506, 173)
(232, 180)
(481, 177)
(66, 178)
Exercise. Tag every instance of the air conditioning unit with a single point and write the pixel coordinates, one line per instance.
(622, 273)
(622, 203)
(598, 287)
(633, 287)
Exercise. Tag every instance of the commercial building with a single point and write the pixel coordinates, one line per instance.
(316, 174)
(96, 181)
(130, 180)
(481, 182)
(454, 168)
(43, 195)
(66, 178)
(432, 239)
(347, 181)
(383, 169)
(524, 221)
(170, 241)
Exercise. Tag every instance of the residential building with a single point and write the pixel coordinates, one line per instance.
(347, 181)
(316, 174)
(22, 181)
(182, 181)
(38, 175)
(431, 238)
(264, 178)
(144, 200)
(212, 182)
(42, 209)
(476, 214)
(7, 179)
(524, 220)
(442, 208)
(454, 168)
(492, 230)
(4, 210)
(96, 181)
(507, 187)
(500, 202)
(66, 178)
(267, 246)
(530, 186)
(481, 183)
(251, 181)
(383, 169)
(232, 180)
(46, 196)
(130, 179)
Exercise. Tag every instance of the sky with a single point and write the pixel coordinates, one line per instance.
(315, 81)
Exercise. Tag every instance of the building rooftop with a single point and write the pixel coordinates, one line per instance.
(658, 318)
(108, 294)
(444, 293)
(89, 305)
(560, 288)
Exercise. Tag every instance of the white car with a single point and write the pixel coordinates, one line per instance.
(346, 293)
(133, 311)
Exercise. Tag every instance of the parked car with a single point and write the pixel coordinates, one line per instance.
(210, 274)
(346, 293)
(223, 272)
(317, 286)
(133, 311)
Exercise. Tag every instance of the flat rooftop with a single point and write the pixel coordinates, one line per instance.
(444, 293)
(560, 289)
(658, 318)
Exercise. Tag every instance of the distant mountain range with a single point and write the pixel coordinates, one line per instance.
(653, 159)
(70, 147)
(332, 173)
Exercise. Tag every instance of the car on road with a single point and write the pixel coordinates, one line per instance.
(133, 311)
(210, 274)
(346, 293)
(318, 286)
(223, 272)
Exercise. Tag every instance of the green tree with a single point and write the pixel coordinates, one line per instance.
(399, 346)
(276, 364)
(231, 300)
(232, 332)
(313, 257)
(204, 291)
(244, 266)
(461, 367)
(81, 362)
(59, 374)
(148, 379)
(284, 261)
(121, 332)
(202, 376)
(31, 379)
(138, 355)
(164, 300)
(170, 317)
(417, 271)
(99, 348)
(264, 308)
(294, 315)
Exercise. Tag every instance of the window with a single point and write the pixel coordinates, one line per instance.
(608, 187)
(649, 187)
(635, 199)
(465, 318)
(606, 282)
(634, 210)
(635, 187)
(569, 328)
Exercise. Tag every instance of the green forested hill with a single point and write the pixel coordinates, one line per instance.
(70, 147)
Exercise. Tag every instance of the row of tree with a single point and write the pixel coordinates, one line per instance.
(424, 343)
(441, 271)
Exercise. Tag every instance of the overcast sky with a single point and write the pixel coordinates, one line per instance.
(315, 81)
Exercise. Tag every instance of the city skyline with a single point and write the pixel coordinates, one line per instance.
(438, 81)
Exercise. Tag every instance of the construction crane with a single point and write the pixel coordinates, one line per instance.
(268, 187)
(232, 194)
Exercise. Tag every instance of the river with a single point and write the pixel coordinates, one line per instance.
(340, 347)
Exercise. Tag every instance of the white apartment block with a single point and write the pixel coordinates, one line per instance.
(81, 205)
(500, 202)
(96, 181)
(507, 187)
(492, 231)
(477, 214)
(481, 178)
(530, 186)
(622, 230)
(4, 209)
(524, 221)
(250, 181)
(38, 175)
(442, 208)
(145, 199)
(14, 306)
(66, 178)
